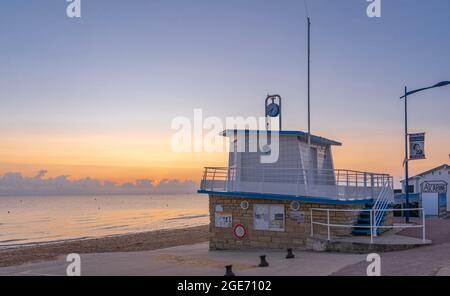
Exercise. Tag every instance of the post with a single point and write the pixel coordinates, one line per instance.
(309, 81)
(227, 180)
(279, 116)
(214, 177)
(372, 185)
(312, 225)
(237, 186)
(375, 223)
(406, 158)
(328, 224)
(205, 172)
(423, 225)
(306, 176)
(371, 227)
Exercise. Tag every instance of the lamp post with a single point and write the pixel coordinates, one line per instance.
(407, 93)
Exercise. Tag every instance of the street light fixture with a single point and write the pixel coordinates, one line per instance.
(407, 93)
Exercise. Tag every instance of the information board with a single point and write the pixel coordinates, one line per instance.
(268, 217)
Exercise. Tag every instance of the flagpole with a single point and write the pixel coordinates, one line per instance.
(309, 81)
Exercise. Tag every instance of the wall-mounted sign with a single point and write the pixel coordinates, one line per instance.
(240, 231)
(417, 146)
(268, 217)
(434, 187)
(297, 216)
(219, 208)
(244, 205)
(223, 220)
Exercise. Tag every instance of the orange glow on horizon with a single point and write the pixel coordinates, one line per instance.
(129, 157)
(119, 157)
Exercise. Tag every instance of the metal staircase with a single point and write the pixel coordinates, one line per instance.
(375, 213)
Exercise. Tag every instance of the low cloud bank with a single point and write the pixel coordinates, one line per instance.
(14, 184)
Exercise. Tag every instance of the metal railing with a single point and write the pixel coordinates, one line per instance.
(382, 201)
(372, 225)
(337, 184)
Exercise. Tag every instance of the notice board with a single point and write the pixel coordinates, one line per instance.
(268, 217)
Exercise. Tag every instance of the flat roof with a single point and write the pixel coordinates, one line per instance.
(315, 139)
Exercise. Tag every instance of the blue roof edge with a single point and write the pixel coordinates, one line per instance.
(314, 138)
(320, 200)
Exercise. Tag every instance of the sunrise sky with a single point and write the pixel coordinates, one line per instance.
(95, 97)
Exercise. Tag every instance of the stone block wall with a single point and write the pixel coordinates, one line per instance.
(297, 224)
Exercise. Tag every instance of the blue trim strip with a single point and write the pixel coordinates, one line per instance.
(321, 200)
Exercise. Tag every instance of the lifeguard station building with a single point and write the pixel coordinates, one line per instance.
(281, 204)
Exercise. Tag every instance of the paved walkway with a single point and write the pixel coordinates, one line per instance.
(193, 260)
(429, 260)
(197, 260)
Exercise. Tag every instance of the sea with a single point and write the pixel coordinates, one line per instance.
(28, 220)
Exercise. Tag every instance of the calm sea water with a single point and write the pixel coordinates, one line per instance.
(32, 219)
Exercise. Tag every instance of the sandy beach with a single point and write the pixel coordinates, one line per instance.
(146, 241)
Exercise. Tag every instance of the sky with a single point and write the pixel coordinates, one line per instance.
(94, 97)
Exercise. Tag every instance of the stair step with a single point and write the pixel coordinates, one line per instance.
(367, 213)
(367, 219)
(366, 223)
(361, 231)
(365, 231)
(363, 220)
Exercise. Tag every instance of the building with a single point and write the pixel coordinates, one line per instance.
(431, 190)
(281, 204)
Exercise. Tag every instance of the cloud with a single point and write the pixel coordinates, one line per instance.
(14, 184)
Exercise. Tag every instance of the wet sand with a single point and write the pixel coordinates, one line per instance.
(127, 243)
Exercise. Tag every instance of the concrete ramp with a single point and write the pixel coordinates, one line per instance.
(387, 242)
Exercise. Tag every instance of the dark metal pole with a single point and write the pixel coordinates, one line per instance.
(440, 84)
(281, 121)
(406, 158)
(309, 81)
